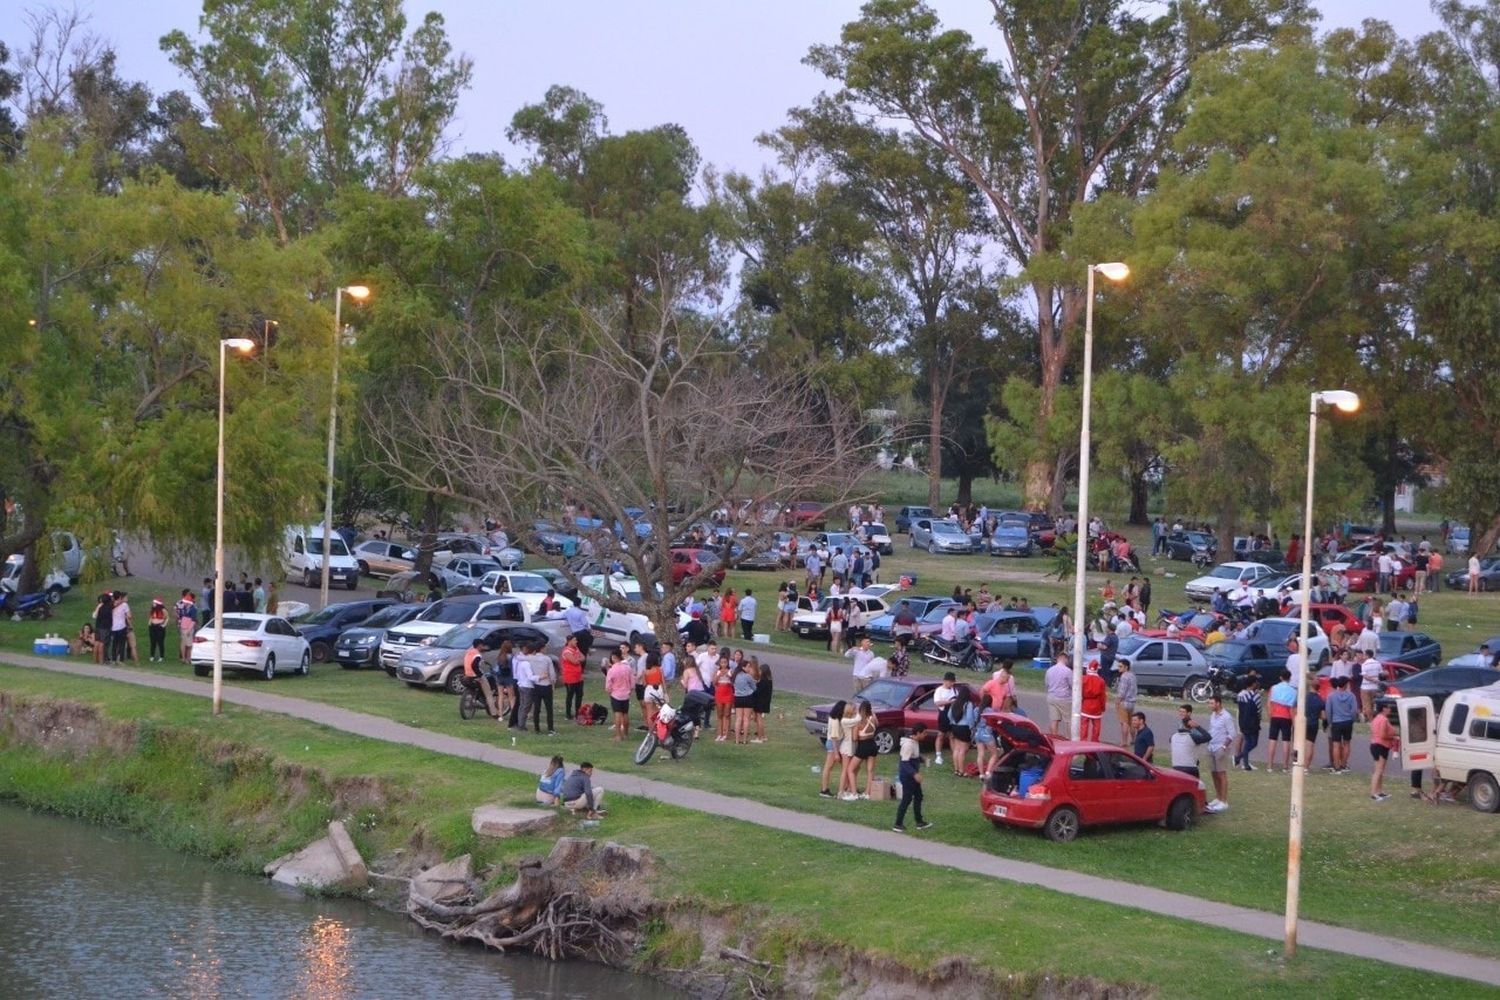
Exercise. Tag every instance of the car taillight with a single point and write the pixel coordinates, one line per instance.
(1393, 691)
(250, 642)
(1038, 792)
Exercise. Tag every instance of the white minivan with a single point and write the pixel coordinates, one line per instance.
(302, 558)
(1464, 746)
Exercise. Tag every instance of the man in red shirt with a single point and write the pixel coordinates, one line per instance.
(572, 677)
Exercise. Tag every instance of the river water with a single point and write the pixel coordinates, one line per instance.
(86, 912)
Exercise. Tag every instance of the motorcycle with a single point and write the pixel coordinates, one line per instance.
(967, 653)
(1202, 559)
(674, 730)
(20, 606)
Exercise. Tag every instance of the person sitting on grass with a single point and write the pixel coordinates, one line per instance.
(549, 785)
(84, 644)
(578, 792)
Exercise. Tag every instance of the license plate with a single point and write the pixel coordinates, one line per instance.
(998, 812)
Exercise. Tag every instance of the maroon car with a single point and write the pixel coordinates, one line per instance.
(899, 704)
(804, 514)
(702, 565)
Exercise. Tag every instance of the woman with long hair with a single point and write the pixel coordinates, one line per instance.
(723, 697)
(831, 741)
(745, 679)
(865, 749)
(763, 691)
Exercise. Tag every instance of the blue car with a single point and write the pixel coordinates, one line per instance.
(1011, 635)
(1011, 538)
(323, 629)
(883, 628)
(1417, 648)
(554, 540)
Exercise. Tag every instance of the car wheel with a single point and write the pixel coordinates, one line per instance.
(353, 582)
(305, 667)
(1180, 813)
(932, 548)
(1484, 793)
(364, 568)
(1062, 825)
(454, 681)
(308, 579)
(885, 741)
(269, 670)
(54, 594)
(913, 539)
(201, 670)
(1197, 689)
(320, 651)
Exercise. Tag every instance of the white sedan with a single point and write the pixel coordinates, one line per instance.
(262, 643)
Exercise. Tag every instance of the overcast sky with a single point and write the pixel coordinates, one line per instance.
(726, 70)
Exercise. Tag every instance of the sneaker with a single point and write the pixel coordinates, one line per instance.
(864, 796)
(1213, 806)
(1223, 806)
(1381, 797)
(939, 759)
(825, 793)
(757, 741)
(924, 826)
(552, 732)
(1331, 769)
(898, 828)
(849, 797)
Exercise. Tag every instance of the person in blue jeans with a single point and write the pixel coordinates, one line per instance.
(910, 774)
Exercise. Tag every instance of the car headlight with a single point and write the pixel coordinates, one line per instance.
(429, 640)
(365, 640)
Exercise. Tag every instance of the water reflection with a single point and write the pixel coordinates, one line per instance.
(90, 913)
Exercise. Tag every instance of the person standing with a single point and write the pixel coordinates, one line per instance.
(525, 675)
(833, 737)
(943, 696)
(1249, 705)
(543, 676)
(909, 773)
(156, 628)
(1283, 709)
(1059, 681)
(1384, 740)
(861, 655)
(619, 679)
(745, 677)
(1343, 709)
(1474, 573)
(1220, 737)
(1185, 742)
(1422, 561)
(747, 615)
(119, 627)
(1093, 704)
(1434, 571)
(572, 676)
(1144, 741)
(1126, 692)
(578, 627)
(259, 596)
(728, 611)
(187, 624)
(764, 689)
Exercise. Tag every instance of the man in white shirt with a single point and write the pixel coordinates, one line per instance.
(1221, 734)
(1387, 565)
(950, 620)
(1370, 672)
(861, 655)
(943, 696)
(1395, 614)
(525, 687)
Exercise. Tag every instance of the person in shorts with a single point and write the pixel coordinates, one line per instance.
(1059, 680)
(942, 697)
(1342, 710)
(1282, 709)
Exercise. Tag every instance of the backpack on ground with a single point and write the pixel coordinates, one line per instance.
(592, 715)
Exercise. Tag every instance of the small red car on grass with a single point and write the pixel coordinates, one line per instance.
(702, 565)
(1364, 572)
(1060, 786)
(899, 704)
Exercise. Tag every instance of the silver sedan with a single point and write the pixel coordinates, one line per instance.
(937, 535)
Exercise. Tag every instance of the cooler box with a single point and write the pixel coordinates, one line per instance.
(1041, 662)
(54, 646)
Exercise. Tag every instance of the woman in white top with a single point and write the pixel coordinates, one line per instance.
(831, 742)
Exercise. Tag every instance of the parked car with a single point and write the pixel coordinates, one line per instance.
(1391, 672)
(1245, 551)
(54, 584)
(1011, 537)
(812, 622)
(1329, 615)
(831, 541)
(874, 534)
(467, 568)
(1039, 523)
(262, 644)
(906, 515)
(302, 558)
(1417, 648)
(530, 588)
(1060, 786)
(1011, 635)
(940, 535)
(1184, 545)
(554, 540)
(359, 647)
(1275, 632)
(1458, 540)
(1234, 660)
(1364, 573)
(1226, 576)
(559, 581)
(1172, 666)
(1438, 683)
(699, 565)
(889, 697)
(323, 629)
(804, 514)
(439, 663)
(1269, 588)
(378, 557)
(1489, 575)
(440, 616)
(882, 628)
(1463, 745)
(629, 626)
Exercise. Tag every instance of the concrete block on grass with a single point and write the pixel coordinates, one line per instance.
(508, 821)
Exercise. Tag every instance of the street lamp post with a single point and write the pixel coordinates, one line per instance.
(243, 345)
(1114, 271)
(1348, 402)
(358, 293)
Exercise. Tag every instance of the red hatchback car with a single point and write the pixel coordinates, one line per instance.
(700, 564)
(1364, 572)
(1060, 786)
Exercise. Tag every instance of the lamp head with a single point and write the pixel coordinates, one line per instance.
(360, 292)
(241, 344)
(1340, 399)
(1114, 271)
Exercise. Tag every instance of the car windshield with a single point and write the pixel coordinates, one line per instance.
(462, 637)
(1131, 645)
(327, 614)
(386, 617)
(233, 624)
(1197, 538)
(885, 694)
(919, 511)
(1012, 528)
(1227, 572)
(528, 583)
(876, 529)
(315, 546)
(937, 614)
(447, 613)
(946, 528)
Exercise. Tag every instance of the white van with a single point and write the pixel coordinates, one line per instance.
(619, 625)
(1464, 746)
(302, 558)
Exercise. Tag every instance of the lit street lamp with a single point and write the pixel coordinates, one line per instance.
(1347, 402)
(244, 346)
(359, 293)
(1114, 271)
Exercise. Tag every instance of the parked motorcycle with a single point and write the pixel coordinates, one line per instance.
(967, 653)
(20, 606)
(674, 730)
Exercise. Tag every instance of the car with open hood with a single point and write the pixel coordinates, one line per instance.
(1061, 786)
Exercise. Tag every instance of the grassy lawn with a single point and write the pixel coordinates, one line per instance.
(792, 891)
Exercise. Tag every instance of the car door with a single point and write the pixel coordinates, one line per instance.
(1090, 789)
(284, 642)
(1130, 789)
(1150, 667)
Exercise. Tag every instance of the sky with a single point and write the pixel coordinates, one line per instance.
(725, 70)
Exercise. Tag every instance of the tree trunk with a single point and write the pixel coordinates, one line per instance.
(965, 489)
(1485, 543)
(934, 446)
(1038, 484)
(427, 539)
(1228, 518)
(1140, 494)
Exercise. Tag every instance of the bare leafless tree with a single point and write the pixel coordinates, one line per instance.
(532, 419)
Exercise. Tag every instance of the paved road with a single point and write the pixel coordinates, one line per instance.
(1256, 923)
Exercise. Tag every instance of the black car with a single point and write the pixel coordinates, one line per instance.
(1489, 575)
(1183, 545)
(1417, 648)
(359, 647)
(1437, 684)
(906, 515)
(323, 629)
(1232, 661)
